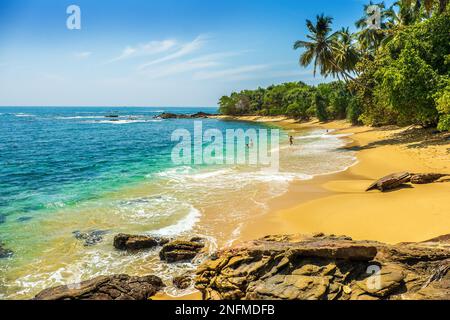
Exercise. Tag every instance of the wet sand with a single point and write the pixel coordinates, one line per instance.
(338, 203)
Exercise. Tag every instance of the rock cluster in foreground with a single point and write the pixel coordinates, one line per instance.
(172, 250)
(137, 242)
(117, 287)
(180, 250)
(327, 268)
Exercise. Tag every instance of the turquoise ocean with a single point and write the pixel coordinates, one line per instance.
(67, 170)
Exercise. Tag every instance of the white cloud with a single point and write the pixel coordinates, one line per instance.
(83, 55)
(184, 50)
(150, 48)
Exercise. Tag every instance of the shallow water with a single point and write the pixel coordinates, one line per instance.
(71, 169)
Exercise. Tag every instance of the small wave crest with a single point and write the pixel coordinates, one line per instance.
(23, 115)
(118, 122)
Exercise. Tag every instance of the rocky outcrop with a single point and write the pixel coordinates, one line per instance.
(324, 267)
(425, 178)
(396, 180)
(180, 251)
(198, 115)
(390, 182)
(137, 242)
(5, 253)
(182, 282)
(117, 287)
(90, 238)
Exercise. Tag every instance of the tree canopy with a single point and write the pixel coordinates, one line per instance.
(397, 73)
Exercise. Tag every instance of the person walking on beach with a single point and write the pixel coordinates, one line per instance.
(291, 141)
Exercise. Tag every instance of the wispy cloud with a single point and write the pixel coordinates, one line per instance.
(83, 55)
(182, 51)
(145, 49)
(202, 62)
(241, 72)
(199, 63)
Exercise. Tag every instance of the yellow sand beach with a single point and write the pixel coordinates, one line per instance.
(338, 203)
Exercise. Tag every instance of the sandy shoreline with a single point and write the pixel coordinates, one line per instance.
(338, 204)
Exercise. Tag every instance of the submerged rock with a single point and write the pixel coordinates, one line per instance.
(137, 242)
(116, 287)
(24, 219)
(2, 218)
(326, 268)
(90, 238)
(177, 251)
(5, 253)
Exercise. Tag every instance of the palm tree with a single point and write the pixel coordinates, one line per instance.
(427, 4)
(402, 16)
(345, 53)
(371, 38)
(320, 49)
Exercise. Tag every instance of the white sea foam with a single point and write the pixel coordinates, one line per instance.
(23, 115)
(79, 117)
(182, 226)
(124, 121)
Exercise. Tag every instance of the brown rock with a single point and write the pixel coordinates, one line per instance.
(179, 250)
(198, 115)
(383, 283)
(441, 239)
(117, 287)
(136, 242)
(325, 267)
(390, 182)
(425, 178)
(182, 282)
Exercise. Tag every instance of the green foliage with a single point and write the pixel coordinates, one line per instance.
(327, 101)
(398, 74)
(409, 84)
(354, 111)
(402, 79)
(443, 107)
(320, 105)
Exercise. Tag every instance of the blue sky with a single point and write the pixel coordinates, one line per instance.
(153, 52)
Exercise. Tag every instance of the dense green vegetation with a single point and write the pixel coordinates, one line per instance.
(398, 73)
